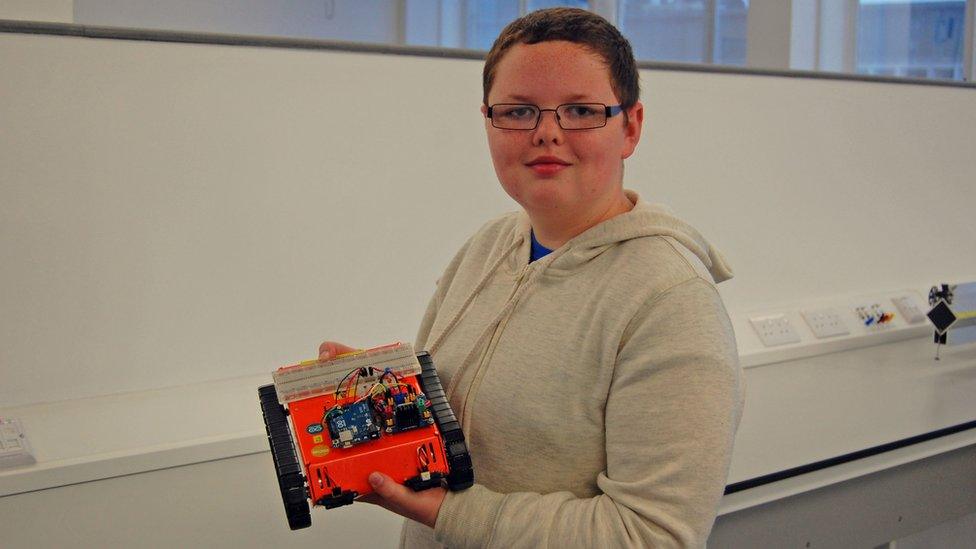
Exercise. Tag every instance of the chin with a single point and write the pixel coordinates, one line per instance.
(545, 196)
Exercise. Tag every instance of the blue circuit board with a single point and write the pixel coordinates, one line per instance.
(353, 424)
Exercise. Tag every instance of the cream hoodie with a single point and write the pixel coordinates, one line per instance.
(598, 387)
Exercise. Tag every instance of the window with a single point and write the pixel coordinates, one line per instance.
(931, 39)
(484, 19)
(469, 24)
(918, 39)
(689, 31)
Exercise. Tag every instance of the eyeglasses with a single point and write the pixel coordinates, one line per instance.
(569, 116)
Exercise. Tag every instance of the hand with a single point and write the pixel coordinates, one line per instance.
(331, 349)
(420, 506)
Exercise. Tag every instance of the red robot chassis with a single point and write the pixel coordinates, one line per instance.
(381, 409)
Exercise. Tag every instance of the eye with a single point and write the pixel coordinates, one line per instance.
(580, 111)
(515, 112)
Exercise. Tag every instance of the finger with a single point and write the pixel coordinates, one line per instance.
(324, 352)
(388, 494)
(422, 507)
(371, 497)
(387, 489)
(327, 350)
(331, 349)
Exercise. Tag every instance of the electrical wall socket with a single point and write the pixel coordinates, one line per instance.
(825, 323)
(775, 330)
(14, 449)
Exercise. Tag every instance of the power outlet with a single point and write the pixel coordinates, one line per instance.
(14, 449)
(825, 323)
(775, 330)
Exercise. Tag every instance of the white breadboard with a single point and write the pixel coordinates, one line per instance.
(314, 377)
(14, 449)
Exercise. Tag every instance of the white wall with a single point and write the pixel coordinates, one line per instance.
(171, 213)
(356, 20)
(52, 11)
(816, 187)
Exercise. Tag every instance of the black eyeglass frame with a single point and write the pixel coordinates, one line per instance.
(609, 110)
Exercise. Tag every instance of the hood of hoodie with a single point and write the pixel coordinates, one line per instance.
(644, 220)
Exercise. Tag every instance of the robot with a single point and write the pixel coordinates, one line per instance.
(382, 409)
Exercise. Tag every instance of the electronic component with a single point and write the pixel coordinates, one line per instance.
(314, 377)
(380, 409)
(352, 424)
(402, 409)
(874, 316)
(407, 416)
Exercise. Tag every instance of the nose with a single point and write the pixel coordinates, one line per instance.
(548, 130)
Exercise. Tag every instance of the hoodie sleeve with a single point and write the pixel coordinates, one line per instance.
(671, 414)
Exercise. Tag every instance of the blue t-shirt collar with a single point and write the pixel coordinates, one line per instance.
(538, 250)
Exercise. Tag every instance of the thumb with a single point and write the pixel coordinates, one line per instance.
(422, 507)
(386, 487)
(331, 349)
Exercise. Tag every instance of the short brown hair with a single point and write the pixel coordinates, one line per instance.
(572, 25)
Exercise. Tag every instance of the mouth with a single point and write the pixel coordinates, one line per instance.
(547, 165)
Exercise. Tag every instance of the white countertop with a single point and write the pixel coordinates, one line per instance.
(93, 438)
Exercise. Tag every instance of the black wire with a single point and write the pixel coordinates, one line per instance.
(339, 386)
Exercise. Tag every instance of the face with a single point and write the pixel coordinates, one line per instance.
(551, 172)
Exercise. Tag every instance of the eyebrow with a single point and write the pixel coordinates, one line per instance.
(571, 99)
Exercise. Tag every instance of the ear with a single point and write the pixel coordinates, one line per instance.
(633, 128)
(484, 114)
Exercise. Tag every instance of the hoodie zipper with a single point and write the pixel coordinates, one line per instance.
(489, 350)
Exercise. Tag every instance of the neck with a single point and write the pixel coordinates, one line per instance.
(555, 228)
